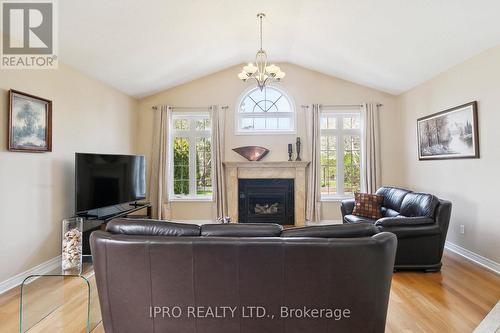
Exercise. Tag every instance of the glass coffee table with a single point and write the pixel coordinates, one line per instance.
(60, 302)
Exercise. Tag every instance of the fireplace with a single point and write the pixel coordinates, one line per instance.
(266, 201)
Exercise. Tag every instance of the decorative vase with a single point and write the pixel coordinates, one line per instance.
(72, 232)
(298, 149)
(252, 153)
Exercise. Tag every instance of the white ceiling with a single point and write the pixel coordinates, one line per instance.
(141, 47)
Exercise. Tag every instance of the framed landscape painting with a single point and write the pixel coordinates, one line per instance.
(452, 133)
(30, 123)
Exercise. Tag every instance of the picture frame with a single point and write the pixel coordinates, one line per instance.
(449, 134)
(29, 123)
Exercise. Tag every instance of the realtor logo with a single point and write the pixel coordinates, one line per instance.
(28, 35)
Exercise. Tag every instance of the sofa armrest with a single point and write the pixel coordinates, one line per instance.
(403, 221)
(346, 207)
(130, 226)
(409, 227)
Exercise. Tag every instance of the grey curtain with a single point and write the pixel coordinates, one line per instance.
(219, 180)
(370, 140)
(313, 198)
(158, 182)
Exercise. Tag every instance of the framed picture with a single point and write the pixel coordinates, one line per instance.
(452, 133)
(30, 123)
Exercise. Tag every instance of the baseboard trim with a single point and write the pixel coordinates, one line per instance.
(43, 268)
(478, 259)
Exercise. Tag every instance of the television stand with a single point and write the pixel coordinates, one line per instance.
(135, 207)
(92, 223)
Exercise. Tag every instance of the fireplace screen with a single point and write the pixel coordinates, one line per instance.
(266, 201)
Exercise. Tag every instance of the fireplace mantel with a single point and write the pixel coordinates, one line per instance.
(286, 164)
(295, 170)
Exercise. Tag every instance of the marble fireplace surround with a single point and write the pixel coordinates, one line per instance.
(295, 170)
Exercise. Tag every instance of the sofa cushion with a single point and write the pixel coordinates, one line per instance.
(151, 227)
(387, 212)
(358, 219)
(242, 230)
(393, 196)
(368, 205)
(333, 231)
(419, 204)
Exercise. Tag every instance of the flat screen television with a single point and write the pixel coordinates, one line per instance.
(104, 180)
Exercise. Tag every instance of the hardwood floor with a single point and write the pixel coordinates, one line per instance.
(455, 301)
(61, 303)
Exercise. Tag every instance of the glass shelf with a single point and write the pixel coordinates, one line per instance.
(60, 302)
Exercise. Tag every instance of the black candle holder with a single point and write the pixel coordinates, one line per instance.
(290, 152)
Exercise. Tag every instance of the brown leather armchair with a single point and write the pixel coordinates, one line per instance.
(152, 274)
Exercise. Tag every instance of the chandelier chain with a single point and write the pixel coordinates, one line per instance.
(261, 32)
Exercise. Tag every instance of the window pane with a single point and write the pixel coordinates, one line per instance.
(181, 166)
(203, 166)
(352, 158)
(266, 106)
(260, 123)
(256, 94)
(181, 124)
(203, 124)
(332, 123)
(247, 105)
(283, 105)
(323, 122)
(265, 102)
(328, 122)
(328, 162)
(247, 123)
(351, 122)
(271, 123)
(283, 123)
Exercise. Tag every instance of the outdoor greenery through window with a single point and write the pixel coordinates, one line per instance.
(340, 154)
(268, 110)
(192, 156)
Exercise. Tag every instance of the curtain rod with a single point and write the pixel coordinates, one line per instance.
(340, 105)
(345, 105)
(191, 107)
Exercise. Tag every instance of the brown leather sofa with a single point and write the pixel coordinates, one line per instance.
(155, 276)
(419, 220)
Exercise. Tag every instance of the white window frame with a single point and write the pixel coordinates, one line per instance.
(289, 115)
(340, 132)
(191, 135)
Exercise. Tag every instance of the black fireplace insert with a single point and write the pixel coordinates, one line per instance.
(266, 201)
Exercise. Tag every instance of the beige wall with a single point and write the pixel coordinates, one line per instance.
(37, 190)
(305, 87)
(472, 184)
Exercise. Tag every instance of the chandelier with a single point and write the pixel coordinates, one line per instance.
(261, 72)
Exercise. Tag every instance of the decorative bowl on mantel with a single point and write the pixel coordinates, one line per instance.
(252, 153)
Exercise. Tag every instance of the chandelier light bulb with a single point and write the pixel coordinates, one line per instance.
(243, 76)
(280, 75)
(272, 69)
(250, 68)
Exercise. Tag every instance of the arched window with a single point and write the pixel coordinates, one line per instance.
(269, 110)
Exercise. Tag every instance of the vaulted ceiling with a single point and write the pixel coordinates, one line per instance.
(141, 47)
